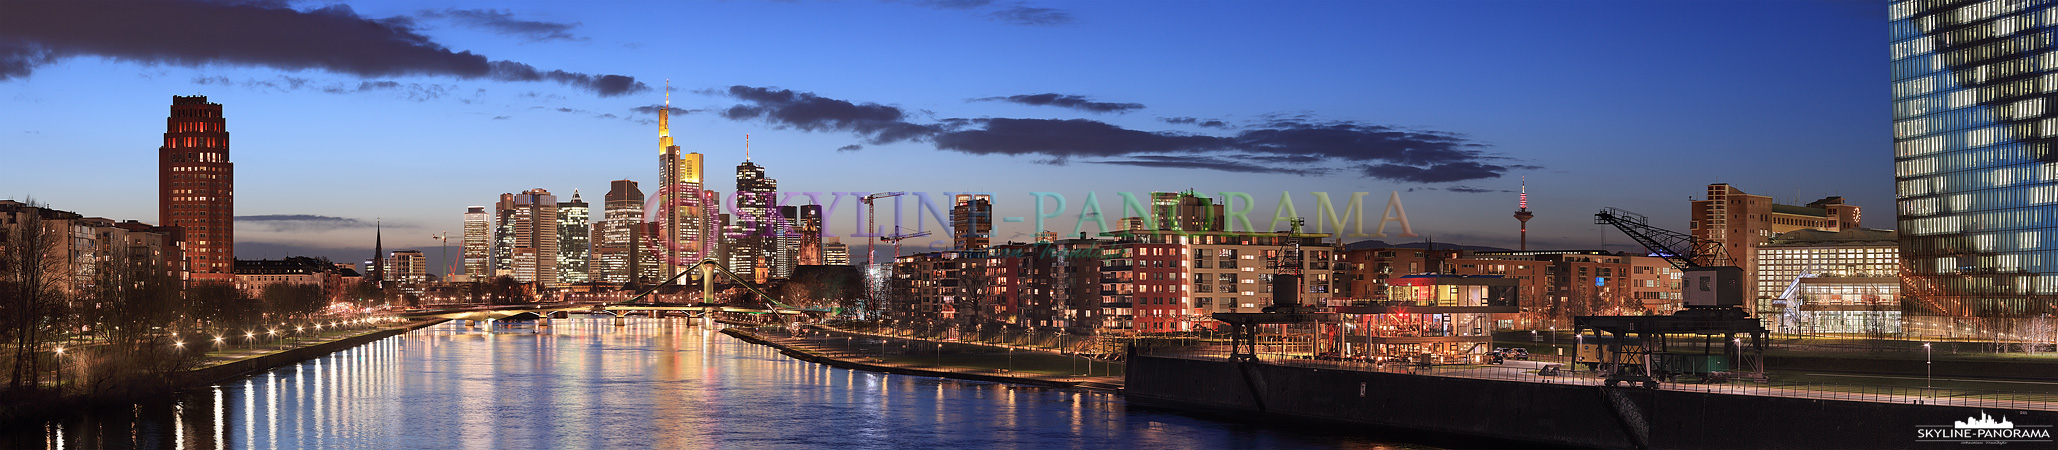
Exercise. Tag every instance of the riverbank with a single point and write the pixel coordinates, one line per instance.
(213, 368)
(825, 350)
(242, 363)
(1573, 414)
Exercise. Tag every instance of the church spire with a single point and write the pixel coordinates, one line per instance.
(379, 251)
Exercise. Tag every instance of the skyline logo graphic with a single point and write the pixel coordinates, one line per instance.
(1983, 429)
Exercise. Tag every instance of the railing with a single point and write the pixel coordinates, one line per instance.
(1535, 371)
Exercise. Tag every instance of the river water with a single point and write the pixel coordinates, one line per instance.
(585, 383)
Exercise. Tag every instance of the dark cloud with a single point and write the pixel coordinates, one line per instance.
(1067, 138)
(879, 124)
(653, 109)
(299, 222)
(850, 148)
(1210, 123)
(505, 23)
(1015, 13)
(1438, 173)
(331, 38)
(1201, 162)
(1032, 16)
(953, 4)
(1474, 190)
(412, 91)
(1294, 145)
(1066, 101)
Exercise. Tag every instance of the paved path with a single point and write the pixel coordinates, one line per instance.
(837, 348)
(1526, 371)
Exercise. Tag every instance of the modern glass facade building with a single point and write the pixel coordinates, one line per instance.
(574, 239)
(1975, 173)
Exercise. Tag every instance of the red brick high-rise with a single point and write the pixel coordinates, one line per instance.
(196, 187)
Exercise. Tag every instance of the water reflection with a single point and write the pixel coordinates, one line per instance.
(584, 383)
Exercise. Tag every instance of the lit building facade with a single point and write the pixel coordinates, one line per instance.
(574, 238)
(971, 221)
(614, 236)
(478, 243)
(1844, 282)
(757, 244)
(196, 187)
(408, 267)
(1740, 222)
(1186, 211)
(834, 252)
(503, 236)
(683, 205)
(531, 221)
(1974, 178)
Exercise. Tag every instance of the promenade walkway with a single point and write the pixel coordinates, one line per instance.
(949, 359)
(1530, 372)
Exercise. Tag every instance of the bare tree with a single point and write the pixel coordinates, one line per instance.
(31, 265)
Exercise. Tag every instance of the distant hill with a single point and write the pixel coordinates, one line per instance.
(1439, 246)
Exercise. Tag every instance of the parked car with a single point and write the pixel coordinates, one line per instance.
(1516, 353)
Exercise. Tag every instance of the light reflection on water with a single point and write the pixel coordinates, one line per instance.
(584, 383)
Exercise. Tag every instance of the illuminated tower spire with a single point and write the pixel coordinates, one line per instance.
(746, 146)
(1522, 213)
(664, 121)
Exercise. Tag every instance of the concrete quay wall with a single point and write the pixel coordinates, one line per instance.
(1557, 414)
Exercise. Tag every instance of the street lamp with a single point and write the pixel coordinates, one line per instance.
(1927, 368)
(1739, 352)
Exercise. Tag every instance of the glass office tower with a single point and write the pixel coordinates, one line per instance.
(1975, 173)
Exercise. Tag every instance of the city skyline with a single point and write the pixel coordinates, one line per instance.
(1581, 114)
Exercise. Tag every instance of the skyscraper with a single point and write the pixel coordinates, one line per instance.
(786, 253)
(503, 237)
(971, 221)
(614, 237)
(478, 232)
(532, 235)
(754, 201)
(834, 252)
(573, 239)
(682, 209)
(1974, 171)
(196, 187)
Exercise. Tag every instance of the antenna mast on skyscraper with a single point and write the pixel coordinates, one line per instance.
(746, 146)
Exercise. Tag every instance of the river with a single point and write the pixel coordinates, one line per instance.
(585, 383)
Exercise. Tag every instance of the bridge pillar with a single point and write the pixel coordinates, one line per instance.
(543, 322)
(621, 321)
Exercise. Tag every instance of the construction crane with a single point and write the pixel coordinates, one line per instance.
(1683, 250)
(1635, 349)
(897, 237)
(1286, 276)
(445, 237)
(1711, 282)
(872, 231)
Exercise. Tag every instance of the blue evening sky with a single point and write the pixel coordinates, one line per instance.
(1635, 105)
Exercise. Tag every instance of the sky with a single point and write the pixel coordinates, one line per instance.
(343, 115)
